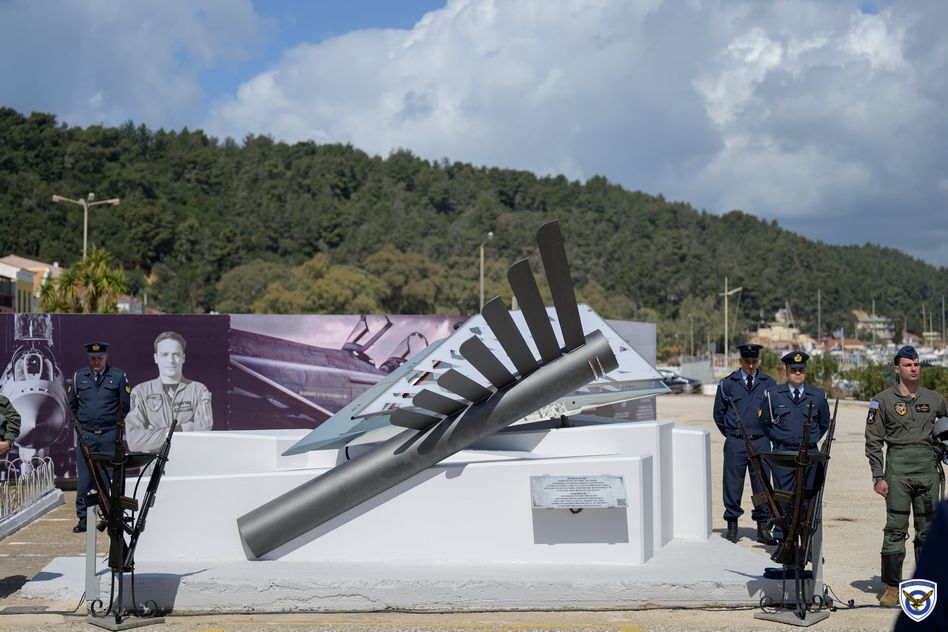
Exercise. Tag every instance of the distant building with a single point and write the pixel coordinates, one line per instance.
(129, 305)
(878, 327)
(39, 272)
(16, 289)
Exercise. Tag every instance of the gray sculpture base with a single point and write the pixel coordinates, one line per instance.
(790, 617)
(682, 574)
(127, 623)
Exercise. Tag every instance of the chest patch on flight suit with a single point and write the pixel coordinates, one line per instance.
(153, 402)
(922, 408)
(901, 408)
(873, 409)
(183, 407)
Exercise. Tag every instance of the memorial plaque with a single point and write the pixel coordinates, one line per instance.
(603, 491)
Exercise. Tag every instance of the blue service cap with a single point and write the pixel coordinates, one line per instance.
(96, 349)
(795, 359)
(749, 350)
(908, 352)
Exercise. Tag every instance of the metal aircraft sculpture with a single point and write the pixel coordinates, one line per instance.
(435, 425)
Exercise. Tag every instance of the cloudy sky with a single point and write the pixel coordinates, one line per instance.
(828, 116)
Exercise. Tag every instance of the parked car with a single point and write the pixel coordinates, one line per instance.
(679, 383)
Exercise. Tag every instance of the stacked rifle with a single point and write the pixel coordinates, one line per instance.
(797, 512)
(118, 516)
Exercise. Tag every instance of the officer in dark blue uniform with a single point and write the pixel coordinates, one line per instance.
(784, 413)
(743, 390)
(97, 394)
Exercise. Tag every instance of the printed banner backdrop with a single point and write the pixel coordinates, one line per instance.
(235, 372)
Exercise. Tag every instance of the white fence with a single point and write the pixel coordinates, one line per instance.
(24, 482)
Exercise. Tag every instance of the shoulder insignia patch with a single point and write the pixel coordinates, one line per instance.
(873, 409)
(128, 389)
(760, 412)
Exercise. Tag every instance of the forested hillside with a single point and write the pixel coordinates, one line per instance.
(263, 226)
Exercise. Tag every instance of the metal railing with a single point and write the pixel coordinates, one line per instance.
(24, 482)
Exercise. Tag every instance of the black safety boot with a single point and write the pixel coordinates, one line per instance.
(891, 577)
(763, 533)
(731, 531)
(80, 526)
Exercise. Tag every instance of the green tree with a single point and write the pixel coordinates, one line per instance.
(316, 287)
(241, 287)
(89, 286)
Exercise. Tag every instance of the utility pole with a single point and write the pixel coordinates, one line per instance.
(692, 319)
(490, 235)
(727, 342)
(873, 321)
(86, 203)
(819, 314)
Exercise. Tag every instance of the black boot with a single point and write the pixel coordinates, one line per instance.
(763, 533)
(80, 526)
(731, 530)
(891, 576)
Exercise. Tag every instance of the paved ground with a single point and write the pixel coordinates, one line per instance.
(854, 517)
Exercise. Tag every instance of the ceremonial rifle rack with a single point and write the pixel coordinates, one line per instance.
(120, 520)
(802, 531)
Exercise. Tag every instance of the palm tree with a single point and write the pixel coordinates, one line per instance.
(91, 286)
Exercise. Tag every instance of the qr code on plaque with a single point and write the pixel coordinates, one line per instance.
(620, 502)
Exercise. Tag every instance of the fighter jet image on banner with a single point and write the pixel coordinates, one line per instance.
(33, 383)
(281, 382)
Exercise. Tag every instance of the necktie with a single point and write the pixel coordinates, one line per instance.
(750, 382)
(796, 396)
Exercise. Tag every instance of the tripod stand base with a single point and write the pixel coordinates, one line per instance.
(789, 617)
(127, 623)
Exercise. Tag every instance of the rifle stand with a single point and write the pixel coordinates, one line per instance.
(118, 616)
(789, 617)
(127, 623)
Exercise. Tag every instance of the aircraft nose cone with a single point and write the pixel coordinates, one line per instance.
(42, 418)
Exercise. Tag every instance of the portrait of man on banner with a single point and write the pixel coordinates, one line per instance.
(169, 398)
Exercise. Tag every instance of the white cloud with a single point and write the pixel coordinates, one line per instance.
(107, 61)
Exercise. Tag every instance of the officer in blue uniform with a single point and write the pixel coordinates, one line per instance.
(784, 413)
(743, 390)
(97, 394)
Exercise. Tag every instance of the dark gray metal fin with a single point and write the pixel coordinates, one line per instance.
(413, 419)
(476, 352)
(429, 400)
(524, 286)
(556, 266)
(509, 337)
(463, 386)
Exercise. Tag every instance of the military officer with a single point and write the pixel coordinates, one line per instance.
(169, 398)
(9, 425)
(909, 476)
(97, 394)
(784, 414)
(742, 391)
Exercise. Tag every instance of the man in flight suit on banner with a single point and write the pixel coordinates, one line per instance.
(170, 397)
(910, 475)
(97, 394)
(743, 390)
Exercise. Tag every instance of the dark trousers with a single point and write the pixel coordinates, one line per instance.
(98, 444)
(736, 464)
